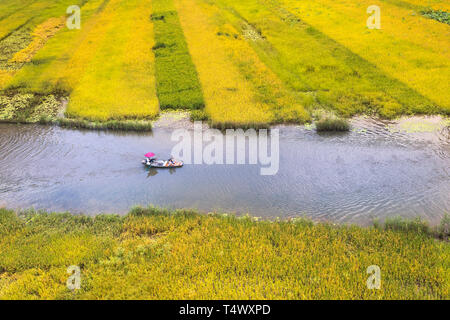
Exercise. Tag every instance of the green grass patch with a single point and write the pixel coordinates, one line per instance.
(438, 15)
(419, 226)
(47, 109)
(160, 254)
(124, 125)
(178, 86)
(28, 107)
(199, 115)
(16, 41)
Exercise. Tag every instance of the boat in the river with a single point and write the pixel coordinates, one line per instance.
(171, 163)
(151, 161)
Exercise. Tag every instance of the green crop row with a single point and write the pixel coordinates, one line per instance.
(176, 78)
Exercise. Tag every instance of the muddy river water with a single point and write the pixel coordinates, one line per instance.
(374, 171)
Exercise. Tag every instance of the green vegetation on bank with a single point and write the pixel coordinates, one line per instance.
(176, 78)
(46, 109)
(332, 124)
(124, 125)
(159, 254)
(28, 108)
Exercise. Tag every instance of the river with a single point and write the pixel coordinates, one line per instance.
(371, 172)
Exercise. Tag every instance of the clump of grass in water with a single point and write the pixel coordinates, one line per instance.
(332, 124)
(328, 121)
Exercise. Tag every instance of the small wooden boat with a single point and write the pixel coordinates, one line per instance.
(171, 163)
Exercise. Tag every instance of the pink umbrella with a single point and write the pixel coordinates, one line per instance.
(150, 155)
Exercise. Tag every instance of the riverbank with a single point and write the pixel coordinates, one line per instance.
(158, 254)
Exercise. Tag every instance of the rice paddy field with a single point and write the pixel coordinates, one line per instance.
(239, 63)
(158, 254)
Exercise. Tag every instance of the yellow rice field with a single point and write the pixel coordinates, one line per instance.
(410, 48)
(231, 73)
(40, 35)
(257, 62)
(118, 83)
(434, 4)
(107, 67)
(156, 254)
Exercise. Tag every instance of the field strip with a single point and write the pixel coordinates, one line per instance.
(14, 51)
(5, 77)
(118, 83)
(397, 23)
(16, 41)
(40, 35)
(324, 73)
(35, 13)
(18, 19)
(238, 88)
(419, 5)
(8, 8)
(178, 86)
(58, 65)
(425, 68)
